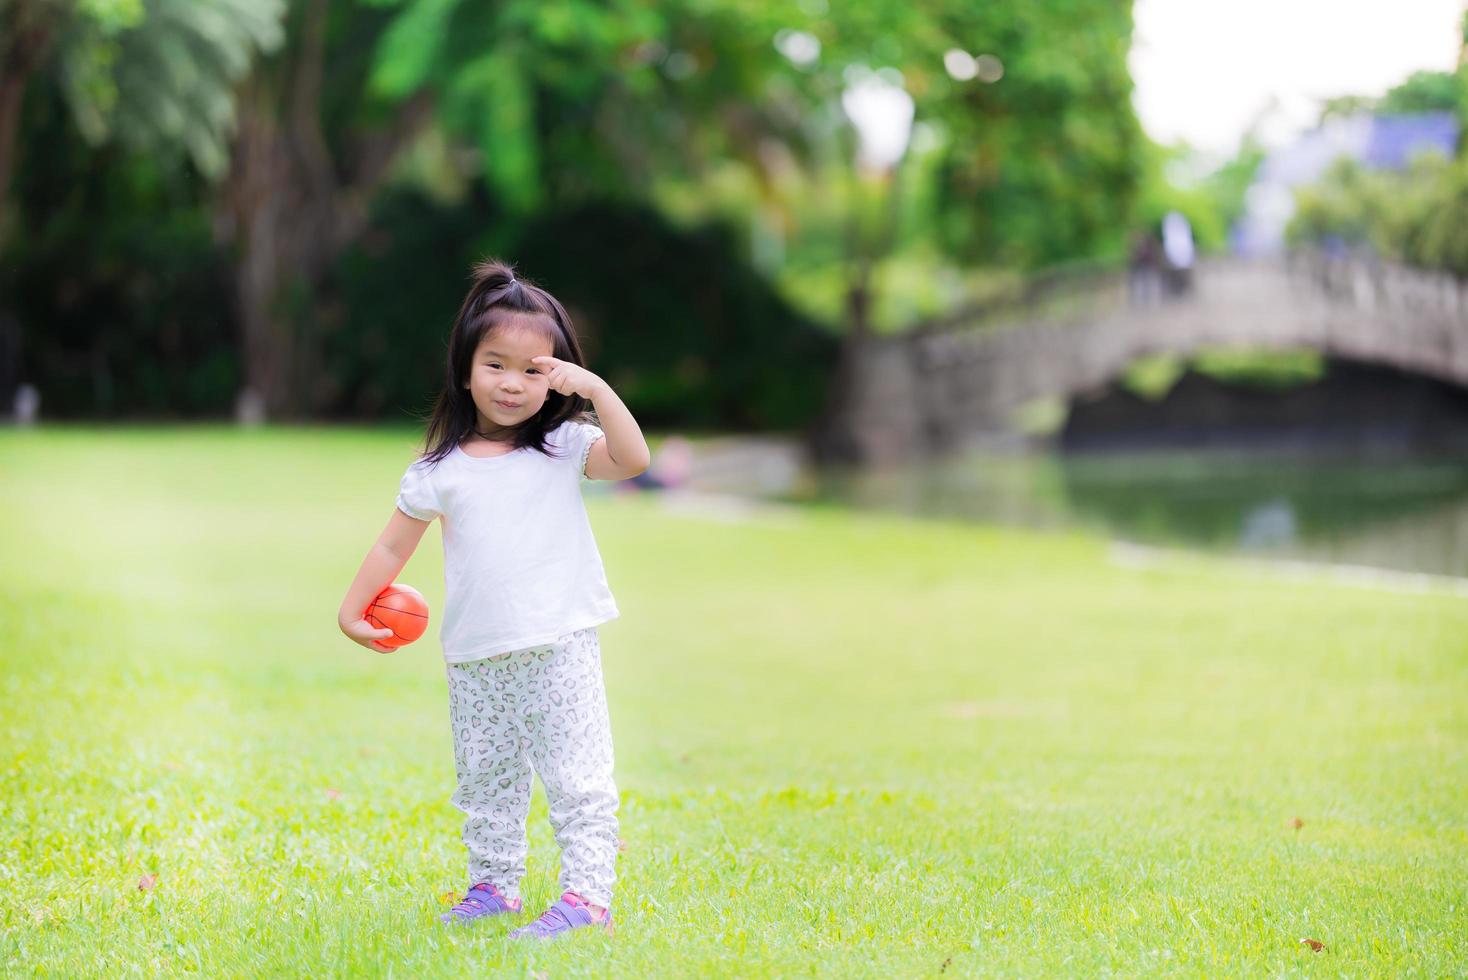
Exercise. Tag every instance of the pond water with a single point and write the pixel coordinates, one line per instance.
(1403, 514)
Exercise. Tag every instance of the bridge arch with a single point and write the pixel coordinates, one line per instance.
(946, 385)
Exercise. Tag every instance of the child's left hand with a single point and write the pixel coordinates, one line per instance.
(568, 378)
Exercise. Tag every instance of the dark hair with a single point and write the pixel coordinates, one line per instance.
(497, 298)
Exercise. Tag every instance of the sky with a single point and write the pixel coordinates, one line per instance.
(1205, 69)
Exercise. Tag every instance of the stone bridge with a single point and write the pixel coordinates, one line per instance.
(946, 385)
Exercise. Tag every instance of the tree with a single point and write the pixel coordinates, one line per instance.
(312, 149)
(156, 73)
(564, 102)
(1423, 91)
(1026, 150)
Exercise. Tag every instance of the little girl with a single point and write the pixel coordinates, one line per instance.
(525, 590)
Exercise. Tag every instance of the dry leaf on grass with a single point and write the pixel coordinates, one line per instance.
(1314, 944)
(1297, 823)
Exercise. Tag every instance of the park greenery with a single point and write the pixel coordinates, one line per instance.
(846, 745)
(1412, 216)
(204, 196)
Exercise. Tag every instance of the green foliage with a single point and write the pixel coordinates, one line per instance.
(160, 74)
(1261, 368)
(496, 84)
(1043, 165)
(1429, 227)
(1194, 203)
(384, 340)
(122, 295)
(685, 330)
(1345, 106)
(531, 85)
(410, 47)
(1408, 218)
(1211, 204)
(1229, 184)
(1424, 91)
(1153, 376)
(541, 108)
(1413, 217)
(1350, 205)
(1032, 168)
(673, 318)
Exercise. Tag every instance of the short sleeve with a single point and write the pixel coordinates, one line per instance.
(583, 436)
(417, 496)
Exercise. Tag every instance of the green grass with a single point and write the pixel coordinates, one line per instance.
(847, 746)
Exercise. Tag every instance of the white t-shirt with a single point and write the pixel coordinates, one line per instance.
(520, 564)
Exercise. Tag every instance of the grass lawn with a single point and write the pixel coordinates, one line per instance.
(847, 745)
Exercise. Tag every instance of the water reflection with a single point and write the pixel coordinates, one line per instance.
(1410, 515)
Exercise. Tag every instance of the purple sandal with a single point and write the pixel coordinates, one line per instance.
(483, 899)
(571, 912)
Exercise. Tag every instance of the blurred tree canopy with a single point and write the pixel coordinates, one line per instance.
(156, 74)
(1413, 216)
(287, 197)
(1423, 91)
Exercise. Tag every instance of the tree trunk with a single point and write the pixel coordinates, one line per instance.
(846, 434)
(274, 220)
(12, 94)
(291, 216)
(24, 45)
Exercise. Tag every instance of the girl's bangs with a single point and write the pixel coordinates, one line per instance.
(499, 318)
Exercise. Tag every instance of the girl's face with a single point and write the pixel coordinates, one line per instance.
(507, 387)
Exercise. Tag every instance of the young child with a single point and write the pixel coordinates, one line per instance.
(525, 590)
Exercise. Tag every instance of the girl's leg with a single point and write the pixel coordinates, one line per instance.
(571, 749)
(493, 768)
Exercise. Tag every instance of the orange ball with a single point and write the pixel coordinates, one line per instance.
(401, 609)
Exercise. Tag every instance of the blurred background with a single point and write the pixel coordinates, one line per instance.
(1187, 272)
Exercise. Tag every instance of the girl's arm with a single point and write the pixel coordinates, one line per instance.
(623, 453)
(389, 554)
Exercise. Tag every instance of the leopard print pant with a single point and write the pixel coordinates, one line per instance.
(542, 710)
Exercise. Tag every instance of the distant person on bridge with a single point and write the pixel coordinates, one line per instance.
(1177, 246)
(1144, 273)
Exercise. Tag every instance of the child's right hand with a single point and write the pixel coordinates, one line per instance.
(363, 632)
